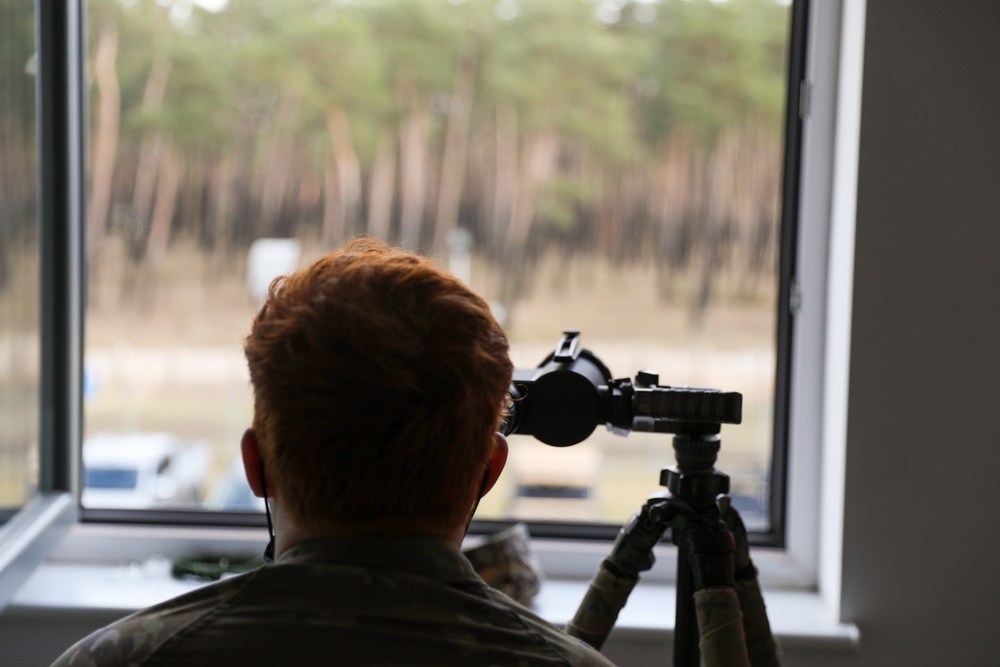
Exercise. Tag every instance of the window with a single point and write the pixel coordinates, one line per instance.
(611, 166)
(823, 272)
(19, 271)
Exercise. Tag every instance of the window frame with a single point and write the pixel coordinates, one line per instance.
(794, 563)
(30, 534)
(775, 535)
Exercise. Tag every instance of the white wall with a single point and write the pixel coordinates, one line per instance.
(921, 545)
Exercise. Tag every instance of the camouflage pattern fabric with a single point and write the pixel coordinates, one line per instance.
(371, 601)
(505, 562)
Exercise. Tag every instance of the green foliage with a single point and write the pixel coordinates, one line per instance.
(16, 59)
(611, 81)
(711, 65)
(18, 155)
(560, 200)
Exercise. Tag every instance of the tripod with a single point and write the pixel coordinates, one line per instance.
(716, 579)
(560, 403)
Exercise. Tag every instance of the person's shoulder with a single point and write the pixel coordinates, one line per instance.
(131, 639)
(573, 651)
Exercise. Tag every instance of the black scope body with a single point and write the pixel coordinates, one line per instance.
(563, 400)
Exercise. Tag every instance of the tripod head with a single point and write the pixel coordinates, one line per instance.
(563, 400)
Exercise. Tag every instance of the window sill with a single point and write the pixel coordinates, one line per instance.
(799, 619)
(93, 579)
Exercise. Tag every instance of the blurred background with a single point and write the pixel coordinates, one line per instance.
(611, 166)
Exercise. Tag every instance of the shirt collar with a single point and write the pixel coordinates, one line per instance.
(423, 555)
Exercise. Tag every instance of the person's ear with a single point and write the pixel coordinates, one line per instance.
(498, 459)
(252, 465)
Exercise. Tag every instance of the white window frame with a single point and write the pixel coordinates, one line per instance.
(38, 527)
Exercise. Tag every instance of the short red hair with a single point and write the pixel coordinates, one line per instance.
(378, 382)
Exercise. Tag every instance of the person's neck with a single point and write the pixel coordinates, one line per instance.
(288, 532)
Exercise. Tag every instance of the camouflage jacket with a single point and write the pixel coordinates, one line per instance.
(372, 601)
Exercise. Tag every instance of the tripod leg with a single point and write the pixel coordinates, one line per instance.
(720, 627)
(605, 598)
(761, 646)
(709, 629)
(609, 589)
(686, 651)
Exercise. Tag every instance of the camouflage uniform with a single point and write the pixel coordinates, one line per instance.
(372, 601)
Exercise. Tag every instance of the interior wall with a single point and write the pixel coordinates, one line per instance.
(920, 571)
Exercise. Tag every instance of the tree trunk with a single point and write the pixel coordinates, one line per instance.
(677, 198)
(505, 194)
(277, 174)
(221, 198)
(150, 150)
(333, 210)
(342, 186)
(765, 187)
(453, 163)
(413, 187)
(380, 194)
(167, 187)
(720, 220)
(538, 162)
(105, 141)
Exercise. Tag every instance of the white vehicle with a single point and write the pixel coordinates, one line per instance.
(232, 493)
(143, 471)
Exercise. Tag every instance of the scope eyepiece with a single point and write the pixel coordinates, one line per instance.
(559, 402)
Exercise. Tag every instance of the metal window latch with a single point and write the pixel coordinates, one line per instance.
(794, 297)
(805, 98)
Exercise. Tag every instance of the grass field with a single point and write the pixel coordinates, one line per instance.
(163, 353)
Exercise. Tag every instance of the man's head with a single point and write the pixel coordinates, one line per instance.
(379, 382)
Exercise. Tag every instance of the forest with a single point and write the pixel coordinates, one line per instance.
(643, 131)
(558, 136)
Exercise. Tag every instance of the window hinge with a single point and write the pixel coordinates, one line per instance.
(805, 98)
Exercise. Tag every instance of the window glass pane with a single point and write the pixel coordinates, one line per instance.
(608, 166)
(19, 280)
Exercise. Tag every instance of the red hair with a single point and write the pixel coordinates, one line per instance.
(378, 381)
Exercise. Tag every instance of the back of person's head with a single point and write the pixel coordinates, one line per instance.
(378, 381)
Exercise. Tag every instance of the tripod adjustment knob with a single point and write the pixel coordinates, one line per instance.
(694, 486)
(712, 556)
